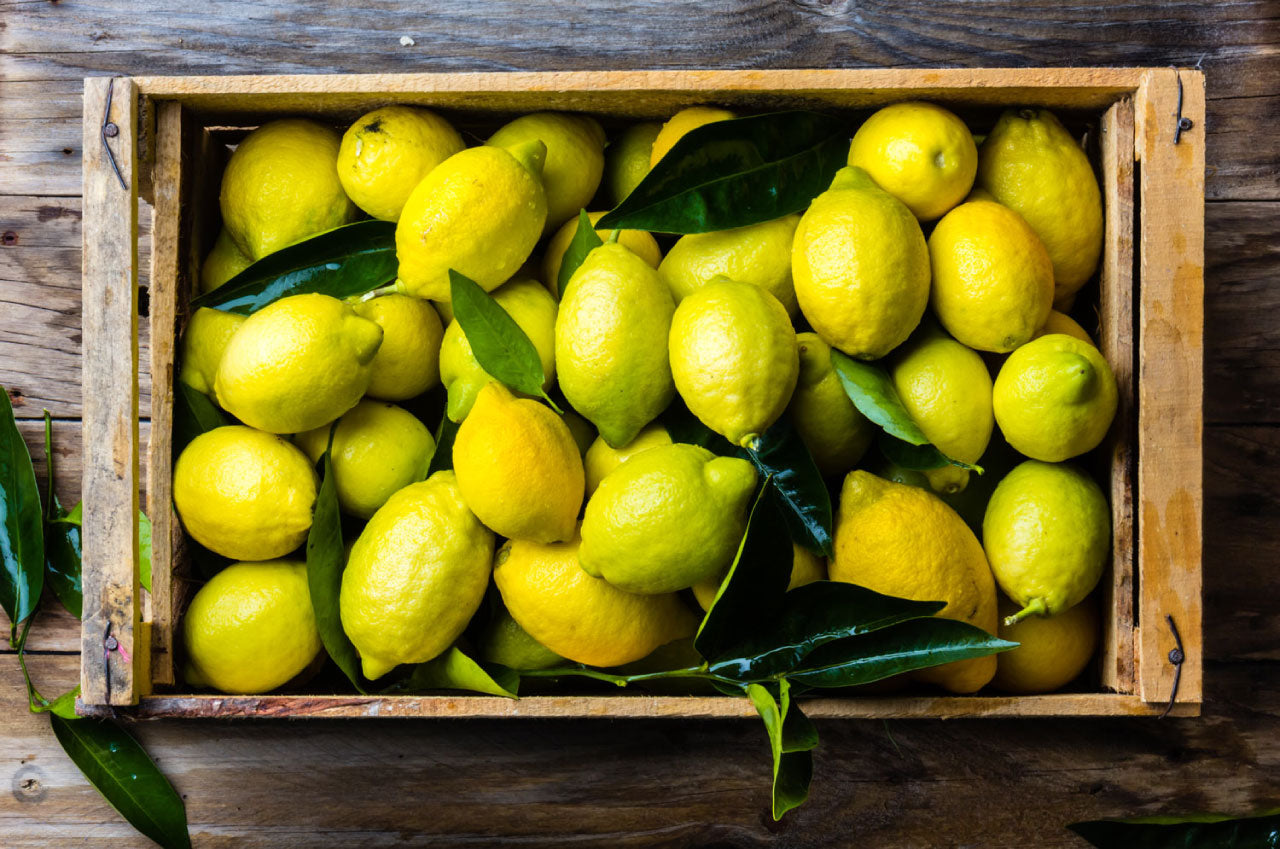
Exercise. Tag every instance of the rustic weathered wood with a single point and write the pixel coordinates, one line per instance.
(1170, 382)
(110, 546)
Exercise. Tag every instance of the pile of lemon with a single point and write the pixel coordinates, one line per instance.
(602, 535)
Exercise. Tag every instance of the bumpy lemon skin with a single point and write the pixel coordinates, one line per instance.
(281, 186)
(639, 242)
(251, 628)
(680, 124)
(1052, 651)
(203, 343)
(388, 151)
(224, 261)
(574, 163)
(506, 643)
(626, 159)
(759, 254)
(244, 494)
(602, 458)
(297, 363)
(408, 360)
(1059, 322)
(833, 430)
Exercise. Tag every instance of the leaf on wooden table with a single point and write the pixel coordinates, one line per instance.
(792, 737)
(781, 456)
(1209, 831)
(585, 240)
(21, 524)
(61, 538)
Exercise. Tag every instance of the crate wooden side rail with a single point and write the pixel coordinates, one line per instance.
(150, 137)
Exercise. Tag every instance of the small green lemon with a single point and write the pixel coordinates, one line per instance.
(244, 494)
(378, 449)
(575, 158)
(602, 458)
(1052, 651)
(224, 261)
(666, 519)
(734, 358)
(806, 567)
(506, 643)
(203, 343)
(416, 575)
(611, 349)
(408, 360)
(759, 254)
(297, 363)
(639, 242)
(680, 124)
(626, 159)
(1047, 533)
(251, 628)
(833, 430)
(1055, 398)
(388, 151)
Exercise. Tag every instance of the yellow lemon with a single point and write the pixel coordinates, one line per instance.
(378, 449)
(639, 242)
(416, 575)
(224, 261)
(860, 267)
(992, 280)
(297, 363)
(1047, 533)
(806, 567)
(518, 467)
(408, 360)
(1052, 651)
(480, 212)
(244, 494)
(506, 643)
(388, 151)
(947, 390)
(281, 186)
(1031, 164)
(602, 458)
(251, 628)
(680, 124)
(1059, 322)
(533, 309)
(759, 254)
(833, 430)
(577, 616)
(1055, 398)
(920, 153)
(903, 541)
(575, 158)
(203, 343)
(611, 343)
(667, 518)
(734, 358)
(626, 159)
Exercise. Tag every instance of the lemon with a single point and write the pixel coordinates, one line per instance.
(833, 430)
(626, 159)
(1052, 651)
(297, 363)
(518, 467)
(505, 642)
(251, 629)
(1055, 398)
(947, 390)
(203, 343)
(1059, 322)
(416, 575)
(1031, 164)
(639, 242)
(903, 541)
(577, 616)
(806, 567)
(575, 158)
(680, 124)
(281, 186)
(244, 494)
(920, 153)
(611, 343)
(602, 458)
(480, 212)
(734, 358)
(1047, 533)
(533, 309)
(378, 449)
(388, 151)
(666, 519)
(224, 261)
(583, 433)
(992, 280)
(408, 360)
(759, 254)
(860, 266)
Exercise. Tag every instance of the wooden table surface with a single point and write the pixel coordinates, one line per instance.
(603, 783)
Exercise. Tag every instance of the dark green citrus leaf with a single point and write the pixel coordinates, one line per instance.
(61, 538)
(443, 456)
(1198, 832)
(21, 524)
(683, 426)
(585, 240)
(790, 742)
(193, 414)
(781, 456)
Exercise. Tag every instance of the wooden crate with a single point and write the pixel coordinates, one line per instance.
(162, 138)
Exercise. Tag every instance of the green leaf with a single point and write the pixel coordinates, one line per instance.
(326, 559)
(502, 349)
(1199, 832)
(193, 414)
(585, 240)
(683, 426)
(907, 646)
(64, 705)
(782, 457)
(61, 538)
(349, 260)
(144, 551)
(443, 457)
(122, 771)
(21, 524)
(790, 742)
(813, 616)
(454, 670)
(733, 173)
(75, 517)
(872, 392)
(917, 458)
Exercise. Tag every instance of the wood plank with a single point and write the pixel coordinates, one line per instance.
(110, 544)
(1170, 383)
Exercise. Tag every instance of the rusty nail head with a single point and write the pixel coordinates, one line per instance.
(111, 130)
(112, 644)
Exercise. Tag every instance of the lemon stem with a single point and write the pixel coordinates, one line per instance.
(1035, 607)
(613, 237)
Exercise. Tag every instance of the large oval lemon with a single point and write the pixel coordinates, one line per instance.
(833, 430)
(388, 151)
(1052, 651)
(759, 254)
(574, 163)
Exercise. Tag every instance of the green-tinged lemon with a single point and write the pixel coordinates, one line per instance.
(602, 458)
(575, 158)
(626, 159)
(759, 254)
(506, 643)
(203, 343)
(388, 151)
(408, 360)
(833, 430)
